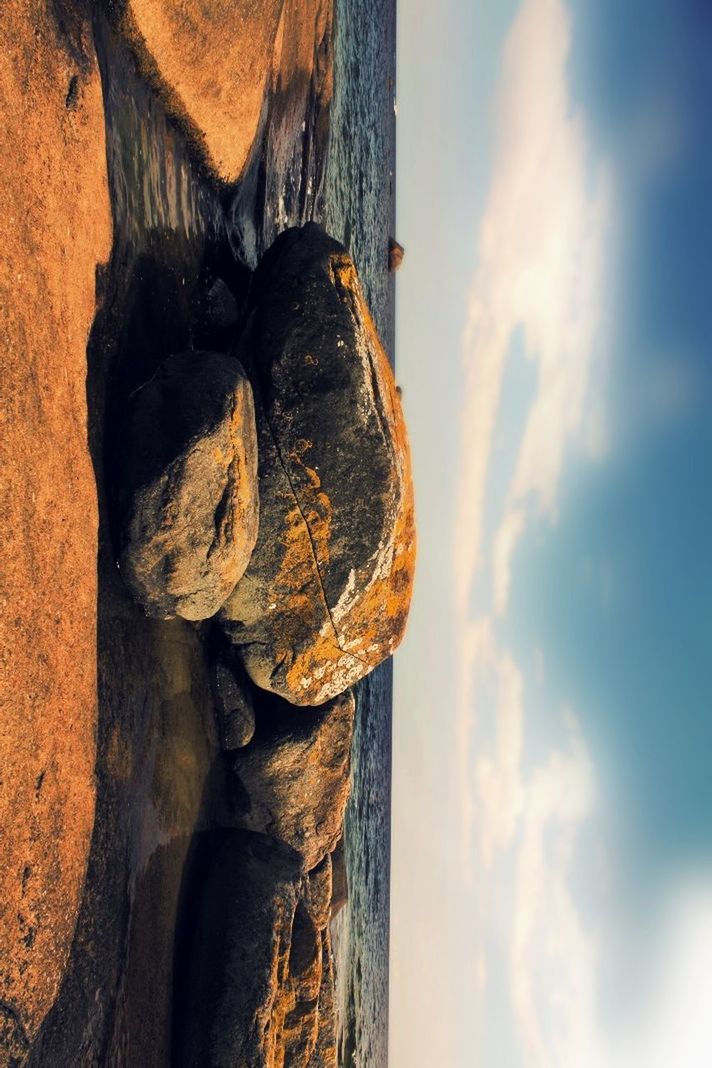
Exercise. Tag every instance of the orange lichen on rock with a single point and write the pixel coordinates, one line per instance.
(298, 779)
(272, 1006)
(55, 228)
(326, 595)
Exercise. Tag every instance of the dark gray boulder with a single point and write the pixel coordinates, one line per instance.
(326, 594)
(294, 777)
(188, 497)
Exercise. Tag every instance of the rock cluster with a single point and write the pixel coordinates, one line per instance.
(170, 874)
(278, 501)
(319, 595)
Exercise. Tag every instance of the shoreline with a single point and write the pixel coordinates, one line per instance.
(180, 230)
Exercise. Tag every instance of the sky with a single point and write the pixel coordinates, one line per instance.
(551, 902)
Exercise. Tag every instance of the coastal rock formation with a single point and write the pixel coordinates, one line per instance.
(258, 975)
(212, 60)
(294, 777)
(216, 64)
(396, 252)
(55, 233)
(188, 495)
(325, 597)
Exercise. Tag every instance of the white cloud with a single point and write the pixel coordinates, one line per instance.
(505, 542)
(500, 793)
(553, 959)
(540, 270)
(675, 1026)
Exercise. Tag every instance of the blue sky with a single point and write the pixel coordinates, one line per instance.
(552, 886)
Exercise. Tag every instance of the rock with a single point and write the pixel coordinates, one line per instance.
(396, 252)
(55, 234)
(221, 309)
(211, 60)
(233, 699)
(295, 776)
(324, 1054)
(237, 958)
(188, 497)
(325, 597)
(257, 971)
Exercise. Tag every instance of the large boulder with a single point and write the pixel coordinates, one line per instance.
(222, 65)
(188, 485)
(213, 60)
(257, 975)
(55, 233)
(326, 594)
(294, 777)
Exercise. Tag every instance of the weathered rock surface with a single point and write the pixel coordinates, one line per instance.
(294, 777)
(233, 698)
(325, 597)
(188, 499)
(55, 231)
(258, 974)
(213, 59)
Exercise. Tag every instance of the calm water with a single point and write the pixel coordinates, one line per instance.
(360, 209)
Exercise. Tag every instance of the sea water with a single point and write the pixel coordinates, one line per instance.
(359, 199)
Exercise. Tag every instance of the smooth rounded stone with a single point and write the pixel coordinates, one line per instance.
(326, 595)
(188, 492)
(233, 700)
(211, 61)
(295, 776)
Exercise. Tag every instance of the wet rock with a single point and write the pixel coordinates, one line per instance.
(325, 597)
(297, 777)
(257, 973)
(396, 252)
(233, 699)
(212, 60)
(188, 497)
